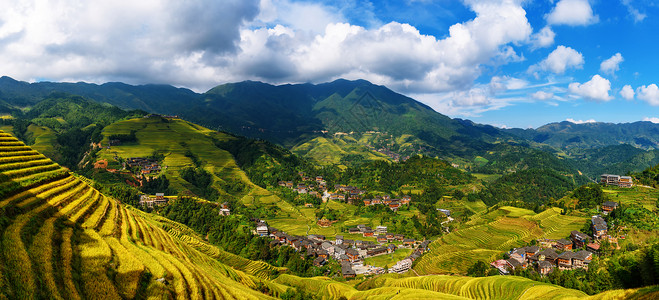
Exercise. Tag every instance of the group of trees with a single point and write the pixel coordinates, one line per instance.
(623, 270)
(202, 180)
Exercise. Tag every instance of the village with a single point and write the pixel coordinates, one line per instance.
(349, 253)
(574, 252)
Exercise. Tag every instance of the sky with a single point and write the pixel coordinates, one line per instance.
(508, 63)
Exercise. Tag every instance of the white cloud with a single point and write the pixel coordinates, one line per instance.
(596, 89)
(649, 94)
(123, 40)
(651, 119)
(634, 12)
(543, 38)
(612, 64)
(199, 44)
(572, 12)
(504, 83)
(559, 60)
(301, 16)
(542, 95)
(580, 121)
(627, 92)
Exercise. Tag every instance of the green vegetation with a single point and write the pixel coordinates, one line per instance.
(491, 234)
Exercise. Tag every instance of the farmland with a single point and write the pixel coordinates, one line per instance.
(54, 221)
(174, 138)
(491, 234)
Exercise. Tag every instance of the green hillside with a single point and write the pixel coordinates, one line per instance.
(181, 145)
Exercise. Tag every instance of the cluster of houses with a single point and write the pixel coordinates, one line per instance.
(559, 253)
(153, 200)
(348, 253)
(616, 180)
(393, 204)
(381, 235)
(146, 165)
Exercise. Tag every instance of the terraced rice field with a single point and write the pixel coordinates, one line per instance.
(557, 226)
(490, 235)
(71, 242)
(173, 138)
(393, 286)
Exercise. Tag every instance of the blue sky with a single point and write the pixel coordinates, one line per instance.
(510, 63)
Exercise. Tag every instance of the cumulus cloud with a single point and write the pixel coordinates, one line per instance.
(572, 12)
(134, 41)
(395, 54)
(627, 92)
(559, 60)
(542, 95)
(649, 94)
(651, 119)
(612, 64)
(201, 43)
(596, 89)
(543, 38)
(580, 121)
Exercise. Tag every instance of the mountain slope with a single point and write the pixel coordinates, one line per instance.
(71, 242)
(285, 114)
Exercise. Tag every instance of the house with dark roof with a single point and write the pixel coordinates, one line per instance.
(563, 245)
(545, 267)
(352, 254)
(581, 259)
(347, 271)
(377, 251)
(564, 260)
(579, 238)
(609, 206)
(549, 255)
(319, 261)
(599, 227)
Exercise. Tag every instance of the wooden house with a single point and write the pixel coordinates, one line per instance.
(563, 245)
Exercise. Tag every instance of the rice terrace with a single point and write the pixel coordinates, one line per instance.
(329, 150)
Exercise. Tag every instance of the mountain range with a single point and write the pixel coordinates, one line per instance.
(374, 116)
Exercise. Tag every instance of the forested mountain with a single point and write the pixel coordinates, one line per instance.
(568, 135)
(286, 114)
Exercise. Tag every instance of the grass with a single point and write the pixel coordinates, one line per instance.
(388, 260)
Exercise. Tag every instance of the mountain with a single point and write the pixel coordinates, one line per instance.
(163, 99)
(284, 114)
(567, 135)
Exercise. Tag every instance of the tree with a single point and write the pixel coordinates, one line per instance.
(478, 269)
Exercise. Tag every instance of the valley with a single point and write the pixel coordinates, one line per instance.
(426, 202)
